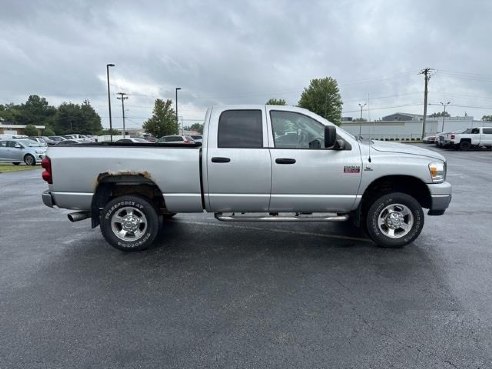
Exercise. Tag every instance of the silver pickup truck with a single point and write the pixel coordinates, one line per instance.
(257, 163)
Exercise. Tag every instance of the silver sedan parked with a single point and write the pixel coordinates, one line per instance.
(23, 150)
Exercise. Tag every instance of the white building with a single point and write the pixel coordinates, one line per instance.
(408, 127)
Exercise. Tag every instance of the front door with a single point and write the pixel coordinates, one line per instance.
(306, 176)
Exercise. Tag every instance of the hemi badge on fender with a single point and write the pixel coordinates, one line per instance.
(351, 169)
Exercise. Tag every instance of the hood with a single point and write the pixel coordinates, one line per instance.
(409, 149)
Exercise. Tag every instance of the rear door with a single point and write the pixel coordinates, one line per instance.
(237, 161)
(486, 137)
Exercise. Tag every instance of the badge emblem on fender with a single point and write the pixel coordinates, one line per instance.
(351, 169)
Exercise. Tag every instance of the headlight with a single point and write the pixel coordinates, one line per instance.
(437, 172)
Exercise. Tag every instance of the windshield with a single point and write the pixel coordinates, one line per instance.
(30, 143)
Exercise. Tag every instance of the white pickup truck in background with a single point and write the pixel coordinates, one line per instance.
(257, 163)
(471, 138)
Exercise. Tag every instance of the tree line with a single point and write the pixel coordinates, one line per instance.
(322, 97)
(64, 119)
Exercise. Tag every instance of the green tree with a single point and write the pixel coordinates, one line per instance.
(487, 118)
(68, 119)
(439, 114)
(9, 112)
(92, 120)
(323, 98)
(48, 132)
(163, 121)
(31, 130)
(275, 102)
(74, 118)
(35, 110)
(198, 127)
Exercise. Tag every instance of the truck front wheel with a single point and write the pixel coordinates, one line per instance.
(394, 220)
(130, 223)
(465, 145)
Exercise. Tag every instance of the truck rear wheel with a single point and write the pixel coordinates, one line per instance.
(130, 223)
(394, 220)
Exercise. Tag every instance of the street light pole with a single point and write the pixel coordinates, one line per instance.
(109, 102)
(444, 113)
(360, 122)
(177, 119)
(123, 98)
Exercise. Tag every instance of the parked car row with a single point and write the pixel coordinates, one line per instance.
(465, 139)
(177, 139)
(33, 149)
(55, 140)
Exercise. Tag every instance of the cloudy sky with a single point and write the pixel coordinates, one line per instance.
(234, 52)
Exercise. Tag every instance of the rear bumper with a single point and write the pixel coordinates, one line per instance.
(47, 199)
(440, 198)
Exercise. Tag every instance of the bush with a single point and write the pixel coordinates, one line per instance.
(31, 130)
(48, 132)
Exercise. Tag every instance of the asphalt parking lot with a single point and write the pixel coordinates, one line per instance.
(249, 295)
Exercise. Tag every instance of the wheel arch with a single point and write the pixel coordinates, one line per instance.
(111, 185)
(410, 185)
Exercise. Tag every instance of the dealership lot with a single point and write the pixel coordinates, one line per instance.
(247, 295)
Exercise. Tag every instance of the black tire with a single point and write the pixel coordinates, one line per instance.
(29, 159)
(397, 230)
(465, 145)
(130, 223)
(16, 163)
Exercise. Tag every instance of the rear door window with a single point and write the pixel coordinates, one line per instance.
(240, 129)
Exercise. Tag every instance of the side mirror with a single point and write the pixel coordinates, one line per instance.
(330, 136)
(18, 146)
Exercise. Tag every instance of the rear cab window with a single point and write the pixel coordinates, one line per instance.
(240, 129)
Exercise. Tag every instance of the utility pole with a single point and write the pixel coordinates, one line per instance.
(177, 118)
(123, 98)
(360, 122)
(109, 102)
(427, 74)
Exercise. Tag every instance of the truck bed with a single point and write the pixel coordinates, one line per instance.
(174, 168)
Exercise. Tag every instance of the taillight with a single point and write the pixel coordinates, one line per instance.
(47, 175)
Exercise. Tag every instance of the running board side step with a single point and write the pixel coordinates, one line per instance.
(281, 217)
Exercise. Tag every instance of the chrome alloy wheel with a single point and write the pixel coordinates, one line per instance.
(395, 221)
(129, 224)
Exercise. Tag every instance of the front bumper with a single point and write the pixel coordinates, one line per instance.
(47, 199)
(440, 197)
